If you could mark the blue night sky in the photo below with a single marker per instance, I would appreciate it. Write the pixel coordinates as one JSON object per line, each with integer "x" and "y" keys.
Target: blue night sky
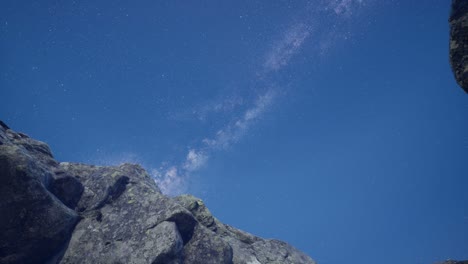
{"x": 334, "y": 125}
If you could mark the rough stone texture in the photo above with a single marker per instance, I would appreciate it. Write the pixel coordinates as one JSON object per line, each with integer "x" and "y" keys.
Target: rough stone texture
{"x": 122, "y": 209}
{"x": 246, "y": 248}
{"x": 207, "y": 248}
{"x": 34, "y": 224}
{"x": 459, "y": 41}
{"x": 284, "y": 253}
{"x": 76, "y": 213}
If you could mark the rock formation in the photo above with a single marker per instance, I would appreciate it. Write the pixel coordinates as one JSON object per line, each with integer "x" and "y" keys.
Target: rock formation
{"x": 61, "y": 212}
{"x": 459, "y": 41}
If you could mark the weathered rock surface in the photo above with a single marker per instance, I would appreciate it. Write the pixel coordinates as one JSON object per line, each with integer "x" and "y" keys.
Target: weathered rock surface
{"x": 34, "y": 223}
{"x": 75, "y": 213}
{"x": 459, "y": 41}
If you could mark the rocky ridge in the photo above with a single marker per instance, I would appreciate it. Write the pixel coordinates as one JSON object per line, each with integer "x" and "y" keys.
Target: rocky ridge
{"x": 61, "y": 212}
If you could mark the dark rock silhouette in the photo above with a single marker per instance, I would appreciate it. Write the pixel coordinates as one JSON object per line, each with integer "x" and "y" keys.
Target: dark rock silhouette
{"x": 64, "y": 212}
{"x": 459, "y": 41}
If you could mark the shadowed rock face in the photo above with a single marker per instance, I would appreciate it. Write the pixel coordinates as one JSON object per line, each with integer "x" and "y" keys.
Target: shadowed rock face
{"x": 34, "y": 223}
{"x": 64, "y": 212}
{"x": 459, "y": 41}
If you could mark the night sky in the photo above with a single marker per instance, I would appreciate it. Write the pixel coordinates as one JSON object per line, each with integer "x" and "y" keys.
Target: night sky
{"x": 333, "y": 125}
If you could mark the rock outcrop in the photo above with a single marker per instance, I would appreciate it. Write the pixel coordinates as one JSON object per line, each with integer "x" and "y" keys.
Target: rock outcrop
{"x": 459, "y": 41}
{"x": 64, "y": 212}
